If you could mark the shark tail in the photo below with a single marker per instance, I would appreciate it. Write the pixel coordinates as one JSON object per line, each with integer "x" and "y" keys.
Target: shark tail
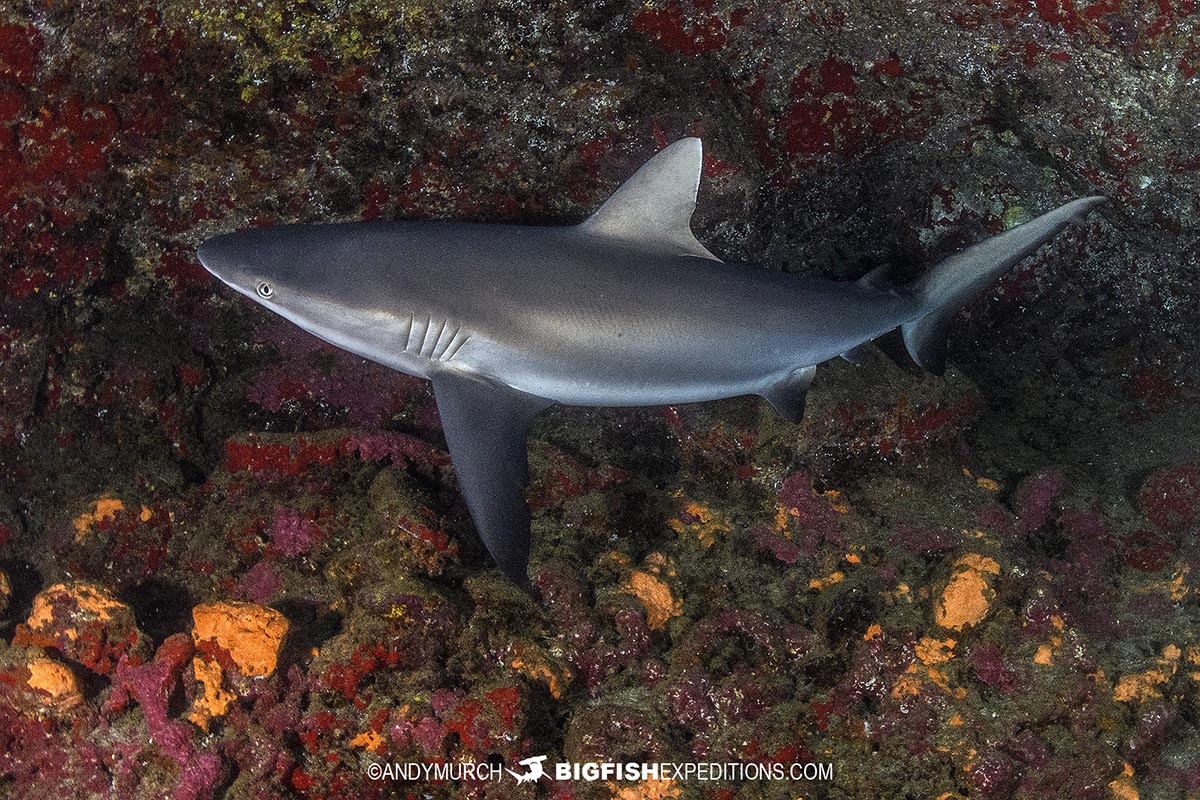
{"x": 954, "y": 282}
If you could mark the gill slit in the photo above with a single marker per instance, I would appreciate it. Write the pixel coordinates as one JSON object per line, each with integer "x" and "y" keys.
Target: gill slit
{"x": 437, "y": 337}
{"x": 415, "y": 344}
{"x": 440, "y": 349}
{"x": 453, "y": 349}
{"x": 408, "y": 332}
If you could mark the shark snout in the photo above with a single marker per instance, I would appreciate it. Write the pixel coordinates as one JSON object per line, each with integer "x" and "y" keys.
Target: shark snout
{"x": 216, "y": 255}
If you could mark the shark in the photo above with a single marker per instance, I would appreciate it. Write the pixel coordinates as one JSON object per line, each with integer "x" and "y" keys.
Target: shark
{"x": 627, "y": 308}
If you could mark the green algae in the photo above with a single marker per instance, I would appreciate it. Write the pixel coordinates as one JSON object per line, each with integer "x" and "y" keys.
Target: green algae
{"x": 267, "y": 36}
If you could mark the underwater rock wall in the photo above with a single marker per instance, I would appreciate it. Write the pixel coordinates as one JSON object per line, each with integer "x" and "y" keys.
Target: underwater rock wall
{"x": 234, "y": 563}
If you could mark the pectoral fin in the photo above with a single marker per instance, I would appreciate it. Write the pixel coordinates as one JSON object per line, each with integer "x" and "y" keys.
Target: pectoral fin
{"x": 486, "y": 424}
{"x": 787, "y": 396}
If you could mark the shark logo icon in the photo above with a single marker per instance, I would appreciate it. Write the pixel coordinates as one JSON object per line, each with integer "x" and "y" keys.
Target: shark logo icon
{"x": 534, "y": 766}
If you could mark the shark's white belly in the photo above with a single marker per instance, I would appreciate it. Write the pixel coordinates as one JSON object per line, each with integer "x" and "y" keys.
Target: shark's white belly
{"x": 601, "y": 382}
{"x": 589, "y": 369}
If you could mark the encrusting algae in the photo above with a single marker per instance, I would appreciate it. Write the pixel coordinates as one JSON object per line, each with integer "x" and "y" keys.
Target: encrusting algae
{"x": 215, "y": 700}
{"x": 698, "y": 520}
{"x": 655, "y": 595}
{"x": 533, "y": 662}
{"x": 1142, "y": 686}
{"x": 652, "y": 789}
{"x": 251, "y": 633}
{"x": 128, "y": 374}
{"x": 969, "y": 594}
{"x": 103, "y": 510}
{"x": 53, "y": 681}
{"x": 92, "y": 600}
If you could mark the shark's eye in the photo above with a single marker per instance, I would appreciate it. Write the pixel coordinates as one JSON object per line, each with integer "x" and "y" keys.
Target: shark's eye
{"x": 265, "y": 290}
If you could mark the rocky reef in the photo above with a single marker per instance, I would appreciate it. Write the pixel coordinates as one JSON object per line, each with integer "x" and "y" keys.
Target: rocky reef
{"x": 234, "y": 562}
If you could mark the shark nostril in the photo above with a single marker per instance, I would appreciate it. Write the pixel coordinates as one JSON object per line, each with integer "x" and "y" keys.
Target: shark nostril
{"x": 264, "y": 290}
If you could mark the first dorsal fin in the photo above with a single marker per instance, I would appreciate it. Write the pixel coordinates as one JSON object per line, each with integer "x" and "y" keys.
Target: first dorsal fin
{"x": 653, "y": 209}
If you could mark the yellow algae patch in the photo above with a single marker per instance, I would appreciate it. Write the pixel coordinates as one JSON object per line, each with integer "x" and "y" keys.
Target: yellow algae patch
{"x": 215, "y": 700}
{"x": 1123, "y": 787}
{"x": 908, "y": 684}
{"x": 1179, "y": 591}
{"x": 835, "y": 501}
{"x": 930, "y": 652}
{"x": 368, "y": 740}
{"x": 935, "y": 651}
{"x": 987, "y": 484}
{"x": 1140, "y": 686}
{"x": 781, "y": 520}
{"x": 968, "y": 595}
{"x": 1176, "y": 587}
{"x": 532, "y": 662}
{"x": 652, "y": 789}
{"x": 940, "y": 680}
{"x": 873, "y": 632}
{"x": 92, "y": 600}
{"x": 55, "y": 681}
{"x": 1193, "y": 658}
{"x": 103, "y": 509}
{"x": 902, "y": 593}
{"x": 1045, "y": 652}
{"x": 251, "y": 633}
{"x": 700, "y": 522}
{"x": 615, "y": 559}
{"x": 655, "y": 596}
{"x": 827, "y": 581}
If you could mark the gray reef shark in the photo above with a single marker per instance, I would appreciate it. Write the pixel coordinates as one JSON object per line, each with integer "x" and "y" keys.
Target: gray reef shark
{"x": 624, "y": 309}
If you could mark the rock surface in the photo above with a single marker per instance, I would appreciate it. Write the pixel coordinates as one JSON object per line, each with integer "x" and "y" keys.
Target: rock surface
{"x": 708, "y": 583}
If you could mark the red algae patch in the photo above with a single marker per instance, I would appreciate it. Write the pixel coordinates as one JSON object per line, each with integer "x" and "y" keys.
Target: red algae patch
{"x": 251, "y": 633}
{"x": 968, "y": 595}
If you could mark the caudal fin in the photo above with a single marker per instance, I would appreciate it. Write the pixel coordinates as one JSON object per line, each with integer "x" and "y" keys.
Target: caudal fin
{"x": 954, "y": 282}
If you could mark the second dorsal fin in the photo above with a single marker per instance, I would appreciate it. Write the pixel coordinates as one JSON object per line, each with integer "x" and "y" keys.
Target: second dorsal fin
{"x": 653, "y": 209}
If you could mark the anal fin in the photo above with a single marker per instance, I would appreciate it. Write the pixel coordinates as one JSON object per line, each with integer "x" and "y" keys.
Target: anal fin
{"x": 788, "y": 395}
{"x": 486, "y": 425}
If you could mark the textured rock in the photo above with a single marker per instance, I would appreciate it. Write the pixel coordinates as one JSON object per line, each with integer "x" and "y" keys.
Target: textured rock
{"x": 250, "y": 633}
{"x": 87, "y": 624}
{"x": 968, "y": 595}
{"x": 828, "y": 587}
{"x": 54, "y": 685}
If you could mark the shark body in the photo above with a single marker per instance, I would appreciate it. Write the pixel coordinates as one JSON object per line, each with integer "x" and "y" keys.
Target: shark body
{"x": 625, "y": 309}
